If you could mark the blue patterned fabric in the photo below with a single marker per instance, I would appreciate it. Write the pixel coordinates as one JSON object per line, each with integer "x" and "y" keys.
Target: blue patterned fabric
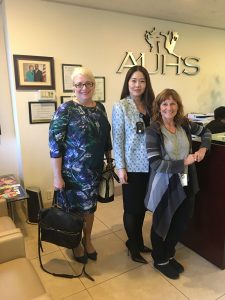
{"x": 128, "y": 146}
{"x": 80, "y": 135}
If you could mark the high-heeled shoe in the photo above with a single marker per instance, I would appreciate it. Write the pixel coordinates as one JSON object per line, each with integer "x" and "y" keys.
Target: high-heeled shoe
{"x": 145, "y": 249}
{"x": 92, "y": 255}
{"x": 135, "y": 255}
{"x": 81, "y": 259}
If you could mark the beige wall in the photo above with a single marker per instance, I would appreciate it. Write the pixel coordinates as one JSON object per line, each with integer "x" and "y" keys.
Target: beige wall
{"x": 99, "y": 40}
{"x": 8, "y": 145}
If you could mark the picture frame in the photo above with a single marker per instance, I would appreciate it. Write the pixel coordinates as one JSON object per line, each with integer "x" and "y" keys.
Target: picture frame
{"x": 99, "y": 94}
{"x": 67, "y": 71}
{"x": 34, "y": 72}
{"x": 41, "y": 111}
{"x": 64, "y": 99}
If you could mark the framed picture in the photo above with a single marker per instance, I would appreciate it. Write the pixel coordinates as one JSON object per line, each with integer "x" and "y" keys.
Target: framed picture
{"x": 67, "y": 71}
{"x": 65, "y": 98}
{"x": 99, "y": 94}
{"x": 41, "y": 112}
{"x": 34, "y": 72}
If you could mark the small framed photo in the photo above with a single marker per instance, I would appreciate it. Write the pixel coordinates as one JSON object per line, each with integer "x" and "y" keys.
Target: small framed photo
{"x": 41, "y": 112}
{"x": 99, "y": 94}
{"x": 67, "y": 71}
{"x": 34, "y": 72}
{"x": 65, "y": 99}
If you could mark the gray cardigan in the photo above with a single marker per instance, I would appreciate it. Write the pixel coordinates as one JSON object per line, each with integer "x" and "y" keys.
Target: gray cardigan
{"x": 164, "y": 175}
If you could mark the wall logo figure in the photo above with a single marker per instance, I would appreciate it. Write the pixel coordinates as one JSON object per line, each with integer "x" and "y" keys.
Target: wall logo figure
{"x": 154, "y": 41}
{"x": 163, "y": 55}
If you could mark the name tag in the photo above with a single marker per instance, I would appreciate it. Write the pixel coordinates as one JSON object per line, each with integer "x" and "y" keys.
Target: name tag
{"x": 183, "y": 179}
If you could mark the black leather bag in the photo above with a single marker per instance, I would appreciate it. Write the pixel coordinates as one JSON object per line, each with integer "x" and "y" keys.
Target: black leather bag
{"x": 106, "y": 186}
{"x": 60, "y": 227}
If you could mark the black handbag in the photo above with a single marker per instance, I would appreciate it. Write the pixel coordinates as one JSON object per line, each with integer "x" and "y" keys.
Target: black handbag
{"x": 106, "y": 186}
{"x": 60, "y": 227}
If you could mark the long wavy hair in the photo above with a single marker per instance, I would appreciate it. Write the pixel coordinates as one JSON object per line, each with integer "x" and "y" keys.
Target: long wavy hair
{"x": 160, "y": 98}
{"x": 148, "y": 96}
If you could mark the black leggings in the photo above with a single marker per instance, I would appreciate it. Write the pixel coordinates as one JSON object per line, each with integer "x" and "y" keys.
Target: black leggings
{"x": 133, "y": 225}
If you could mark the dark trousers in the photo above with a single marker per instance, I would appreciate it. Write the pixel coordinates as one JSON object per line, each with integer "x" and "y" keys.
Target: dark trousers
{"x": 133, "y": 225}
{"x": 134, "y": 209}
{"x": 163, "y": 250}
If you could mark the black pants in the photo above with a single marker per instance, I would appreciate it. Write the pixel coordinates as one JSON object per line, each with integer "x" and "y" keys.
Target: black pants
{"x": 163, "y": 250}
{"x": 134, "y": 209}
{"x": 133, "y": 225}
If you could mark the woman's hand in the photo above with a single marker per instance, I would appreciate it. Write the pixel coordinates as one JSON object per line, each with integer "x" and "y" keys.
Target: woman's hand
{"x": 59, "y": 183}
{"x": 122, "y": 174}
{"x": 190, "y": 159}
{"x": 200, "y": 154}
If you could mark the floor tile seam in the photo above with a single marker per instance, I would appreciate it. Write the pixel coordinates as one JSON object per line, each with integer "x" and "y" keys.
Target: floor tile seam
{"x": 220, "y": 297}
{"x": 115, "y": 276}
{"x": 171, "y": 283}
{"x": 103, "y": 223}
{"x": 76, "y": 293}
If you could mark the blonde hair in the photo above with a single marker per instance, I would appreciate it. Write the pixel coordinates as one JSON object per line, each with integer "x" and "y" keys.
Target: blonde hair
{"x": 82, "y": 71}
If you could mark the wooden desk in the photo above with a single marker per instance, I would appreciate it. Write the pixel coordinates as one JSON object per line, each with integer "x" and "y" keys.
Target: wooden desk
{"x": 12, "y": 191}
{"x": 206, "y": 231}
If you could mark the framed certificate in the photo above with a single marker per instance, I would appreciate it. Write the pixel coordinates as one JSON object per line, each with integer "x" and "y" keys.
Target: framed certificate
{"x": 41, "y": 112}
{"x": 67, "y": 71}
{"x": 99, "y": 94}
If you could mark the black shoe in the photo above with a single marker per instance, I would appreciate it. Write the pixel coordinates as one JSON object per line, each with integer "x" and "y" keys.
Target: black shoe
{"x": 92, "y": 255}
{"x": 176, "y": 265}
{"x": 145, "y": 249}
{"x": 135, "y": 255}
{"x": 81, "y": 259}
{"x": 168, "y": 270}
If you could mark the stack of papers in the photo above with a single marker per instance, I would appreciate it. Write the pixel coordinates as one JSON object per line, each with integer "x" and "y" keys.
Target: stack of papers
{"x": 201, "y": 118}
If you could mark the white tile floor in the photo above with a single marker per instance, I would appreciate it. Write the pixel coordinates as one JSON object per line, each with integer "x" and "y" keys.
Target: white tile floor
{"x": 116, "y": 275}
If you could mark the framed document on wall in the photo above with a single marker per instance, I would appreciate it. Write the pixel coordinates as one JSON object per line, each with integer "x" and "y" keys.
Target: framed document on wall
{"x": 41, "y": 112}
{"x": 99, "y": 94}
{"x": 67, "y": 71}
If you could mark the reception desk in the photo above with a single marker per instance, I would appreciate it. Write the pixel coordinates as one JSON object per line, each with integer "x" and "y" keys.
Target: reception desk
{"x": 206, "y": 231}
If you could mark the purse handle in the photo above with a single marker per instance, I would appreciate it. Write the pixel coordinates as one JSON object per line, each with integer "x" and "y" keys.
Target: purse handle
{"x": 65, "y": 199}
{"x": 110, "y": 168}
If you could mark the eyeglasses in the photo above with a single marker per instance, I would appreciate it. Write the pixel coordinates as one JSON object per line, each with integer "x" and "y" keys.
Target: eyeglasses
{"x": 87, "y": 84}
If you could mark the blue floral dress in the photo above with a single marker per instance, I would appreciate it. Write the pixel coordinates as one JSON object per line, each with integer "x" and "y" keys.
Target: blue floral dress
{"x": 80, "y": 135}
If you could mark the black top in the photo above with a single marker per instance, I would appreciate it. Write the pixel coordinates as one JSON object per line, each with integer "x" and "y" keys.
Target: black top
{"x": 216, "y": 126}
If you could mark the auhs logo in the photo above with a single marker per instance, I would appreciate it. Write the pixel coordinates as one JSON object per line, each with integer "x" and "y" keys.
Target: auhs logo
{"x": 162, "y": 55}
{"x": 154, "y": 40}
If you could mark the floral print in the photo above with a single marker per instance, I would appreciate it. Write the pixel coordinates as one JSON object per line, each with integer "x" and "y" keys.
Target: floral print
{"x": 80, "y": 135}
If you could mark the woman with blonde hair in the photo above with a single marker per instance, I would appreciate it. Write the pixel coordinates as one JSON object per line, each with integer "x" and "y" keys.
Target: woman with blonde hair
{"x": 79, "y": 137}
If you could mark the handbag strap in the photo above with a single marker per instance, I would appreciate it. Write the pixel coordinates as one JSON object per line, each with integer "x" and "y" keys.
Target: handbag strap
{"x": 65, "y": 199}
{"x": 40, "y": 248}
{"x": 110, "y": 168}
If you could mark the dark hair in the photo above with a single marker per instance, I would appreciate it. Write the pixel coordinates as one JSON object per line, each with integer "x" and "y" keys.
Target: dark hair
{"x": 148, "y": 95}
{"x": 219, "y": 113}
{"x": 160, "y": 98}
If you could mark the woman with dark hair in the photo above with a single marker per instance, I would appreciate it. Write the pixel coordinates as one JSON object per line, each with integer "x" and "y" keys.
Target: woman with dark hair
{"x": 173, "y": 179}
{"x": 130, "y": 117}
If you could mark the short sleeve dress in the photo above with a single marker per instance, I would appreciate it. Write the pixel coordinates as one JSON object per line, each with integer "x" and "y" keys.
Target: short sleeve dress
{"x": 80, "y": 135}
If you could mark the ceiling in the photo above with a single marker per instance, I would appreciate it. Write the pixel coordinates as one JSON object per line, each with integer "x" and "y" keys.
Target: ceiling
{"x": 208, "y": 13}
